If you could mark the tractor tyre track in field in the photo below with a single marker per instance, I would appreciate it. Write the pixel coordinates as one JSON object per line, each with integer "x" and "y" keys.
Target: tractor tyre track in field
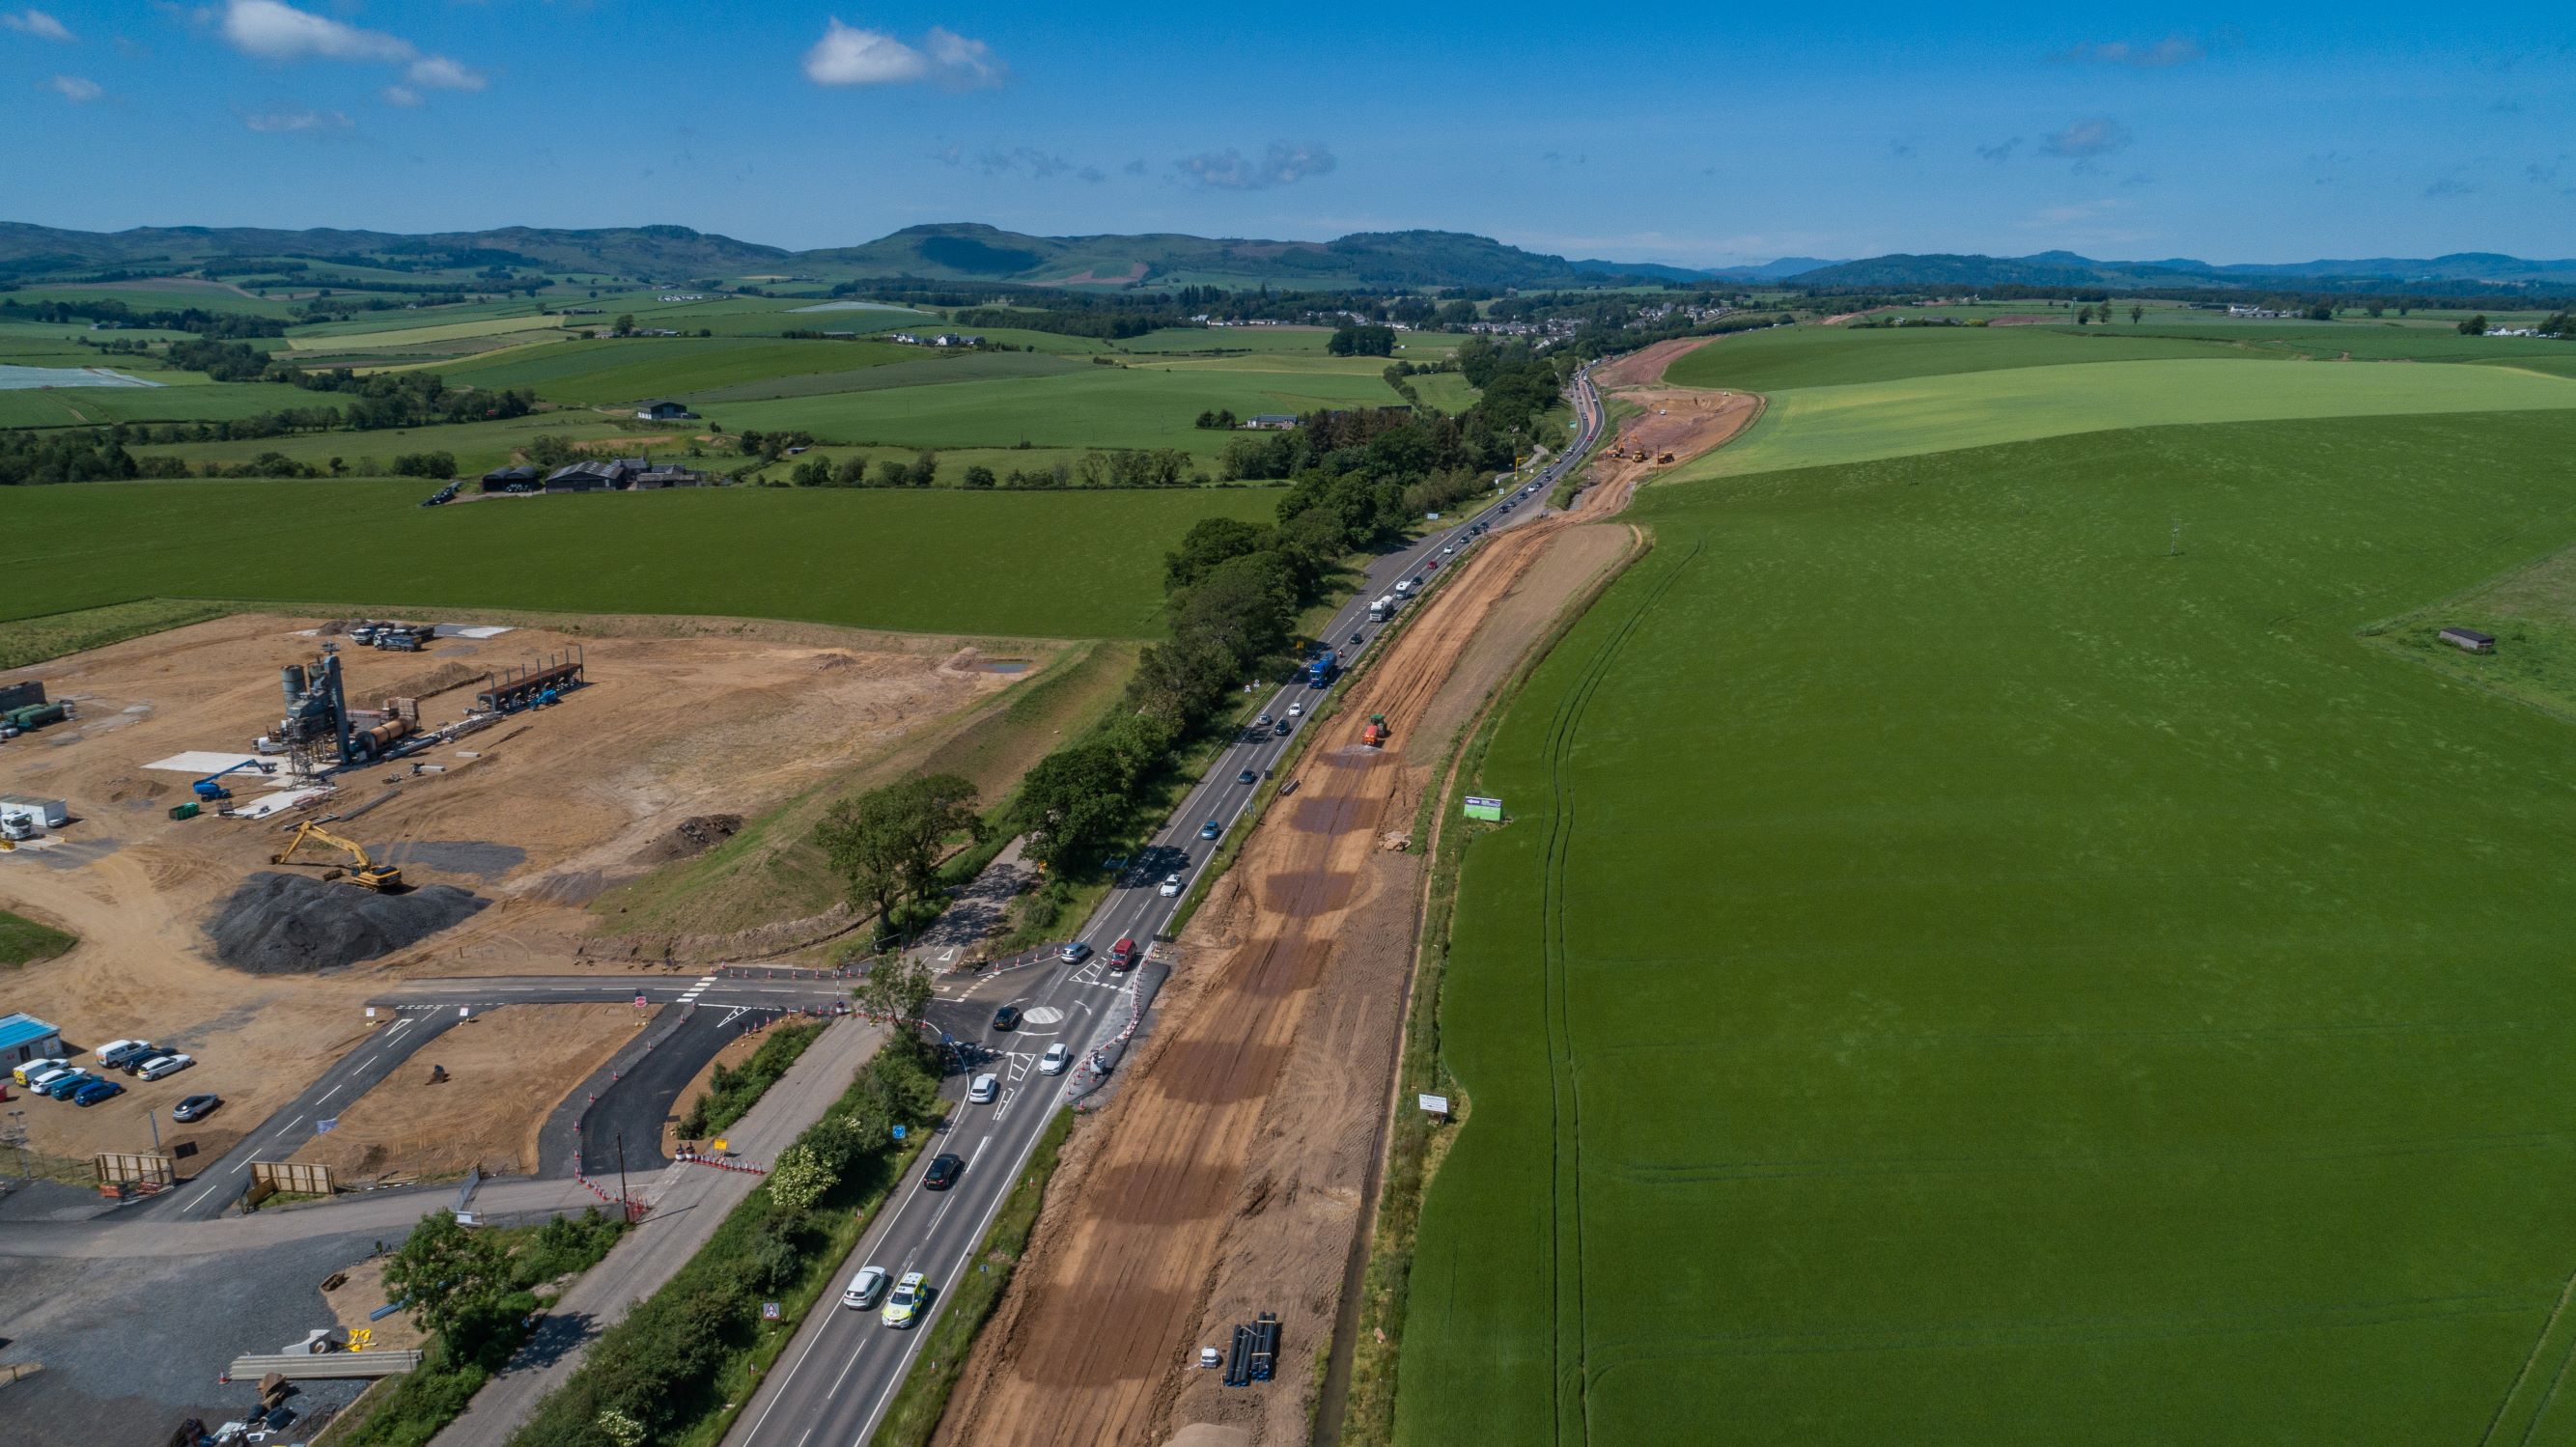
{"x": 1565, "y": 1090}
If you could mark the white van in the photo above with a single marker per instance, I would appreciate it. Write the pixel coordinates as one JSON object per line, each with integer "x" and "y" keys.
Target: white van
{"x": 26, "y": 1074}
{"x": 119, "y": 1052}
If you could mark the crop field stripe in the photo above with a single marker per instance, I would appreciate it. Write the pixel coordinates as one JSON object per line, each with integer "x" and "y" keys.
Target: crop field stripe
{"x": 1564, "y": 1084}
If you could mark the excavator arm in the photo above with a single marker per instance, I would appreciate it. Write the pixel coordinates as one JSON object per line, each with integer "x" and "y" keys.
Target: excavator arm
{"x": 363, "y": 871}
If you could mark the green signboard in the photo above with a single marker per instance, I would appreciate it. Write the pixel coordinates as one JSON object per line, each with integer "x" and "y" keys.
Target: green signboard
{"x": 1489, "y": 809}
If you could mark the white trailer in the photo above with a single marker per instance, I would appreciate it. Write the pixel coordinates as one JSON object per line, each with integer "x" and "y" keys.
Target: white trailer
{"x": 1382, "y": 609}
{"x": 44, "y": 813}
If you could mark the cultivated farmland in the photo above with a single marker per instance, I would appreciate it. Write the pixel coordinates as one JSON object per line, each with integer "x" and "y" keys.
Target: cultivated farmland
{"x": 1965, "y": 967}
{"x": 1050, "y": 564}
{"x": 1814, "y": 426}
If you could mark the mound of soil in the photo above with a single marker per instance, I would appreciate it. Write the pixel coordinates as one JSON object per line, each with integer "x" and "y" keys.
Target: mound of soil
{"x": 277, "y": 924}
{"x": 694, "y": 835}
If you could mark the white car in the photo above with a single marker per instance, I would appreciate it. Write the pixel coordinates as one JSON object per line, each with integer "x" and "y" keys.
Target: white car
{"x": 865, "y": 1288}
{"x": 161, "y": 1065}
{"x": 1057, "y": 1057}
{"x": 1296, "y": 710}
{"x": 1444, "y": 552}
{"x": 906, "y": 1303}
{"x": 1171, "y": 886}
{"x": 38, "y": 1080}
{"x": 983, "y": 1091}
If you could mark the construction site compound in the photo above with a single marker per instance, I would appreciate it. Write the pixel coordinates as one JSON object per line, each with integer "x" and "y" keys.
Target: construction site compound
{"x": 255, "y": 824}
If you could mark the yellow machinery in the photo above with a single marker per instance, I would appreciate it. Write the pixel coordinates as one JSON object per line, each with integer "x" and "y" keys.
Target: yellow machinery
{"x": 365, "y": 871}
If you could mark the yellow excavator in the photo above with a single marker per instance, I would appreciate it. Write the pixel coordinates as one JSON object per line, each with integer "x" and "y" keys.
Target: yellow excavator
{"x": 364, "y": 872}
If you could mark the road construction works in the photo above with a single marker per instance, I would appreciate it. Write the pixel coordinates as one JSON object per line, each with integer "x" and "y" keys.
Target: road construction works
{"x": 1231, "y": 1174}
{"x": 514, "y": 828}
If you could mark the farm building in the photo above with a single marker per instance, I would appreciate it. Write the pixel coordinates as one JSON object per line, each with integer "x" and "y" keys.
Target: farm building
{"x": 666, "y": 475}
{"x": 23, "y": 1038}
{"x": 589, "y": 476}
{"x": 2469, "y": 639}
{"x": 1270, "y": 422}
{"x": 664, "y": 412}
{"x": 19, "y": 695}
{"x": 513, "y": 479}
{"x": 953, "y": 339}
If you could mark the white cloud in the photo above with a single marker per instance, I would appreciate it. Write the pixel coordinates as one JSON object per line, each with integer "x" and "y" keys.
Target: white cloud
{"x": 75, "y": 89}
{"x": 400, "y": 95}
{"x": 440, "y": 73}
{"x": 273, "y": 30}
{"x": 848, "y": 55}
{"x": 1282, "y": 164}
{"x": 2165, "y": 54}
{"x": 279, "y": 121}
{"x": 962, "y": 64}
{"x": 2082, "y": 140}
{"x": 276, "y": 31}
{"x": 39, "y": 24}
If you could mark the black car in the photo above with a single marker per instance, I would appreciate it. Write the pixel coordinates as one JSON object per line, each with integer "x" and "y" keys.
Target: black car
{"x": 195, "y": 1107}
{"x": 1283, "y": 728}
{"x": 1007, "y": 1018}
{"x": 1247, "y": 778}
{"x": 1355, "y": 640}
{"x": 943, "y": 1173}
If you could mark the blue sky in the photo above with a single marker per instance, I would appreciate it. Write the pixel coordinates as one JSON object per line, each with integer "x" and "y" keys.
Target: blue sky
{"x": 2240, "y": 133}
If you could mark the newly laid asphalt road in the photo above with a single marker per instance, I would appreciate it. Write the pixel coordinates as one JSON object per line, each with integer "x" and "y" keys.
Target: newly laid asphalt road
{"x": 421, "y": 1011}
{"x": 832, "y": 1385}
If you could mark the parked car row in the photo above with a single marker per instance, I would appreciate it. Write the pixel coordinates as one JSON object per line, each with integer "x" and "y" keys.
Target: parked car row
{"x": 59, "y": 1079}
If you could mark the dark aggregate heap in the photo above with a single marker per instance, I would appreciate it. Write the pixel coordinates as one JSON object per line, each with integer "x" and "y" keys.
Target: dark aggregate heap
{"x": 278, "y": 924}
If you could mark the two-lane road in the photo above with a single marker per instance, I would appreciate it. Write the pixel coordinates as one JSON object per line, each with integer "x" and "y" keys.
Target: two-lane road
{"x": 833, "y": 1384}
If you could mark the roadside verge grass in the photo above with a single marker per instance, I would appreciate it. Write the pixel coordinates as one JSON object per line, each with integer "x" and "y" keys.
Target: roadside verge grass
{"x": 923, "y": 1397}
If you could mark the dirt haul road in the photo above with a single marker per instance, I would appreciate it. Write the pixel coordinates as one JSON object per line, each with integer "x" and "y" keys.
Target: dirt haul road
{"x": 1230, "y": 1175}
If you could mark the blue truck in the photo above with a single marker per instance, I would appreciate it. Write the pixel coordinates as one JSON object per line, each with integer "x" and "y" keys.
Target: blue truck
{"x": 1320, "y": 670}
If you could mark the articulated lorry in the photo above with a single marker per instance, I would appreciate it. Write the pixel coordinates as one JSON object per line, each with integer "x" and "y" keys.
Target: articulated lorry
{"x": 1319, "y": 672}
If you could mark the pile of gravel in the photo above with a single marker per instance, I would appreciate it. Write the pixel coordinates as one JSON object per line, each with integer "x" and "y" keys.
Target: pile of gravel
{"x": 278, "y": 924}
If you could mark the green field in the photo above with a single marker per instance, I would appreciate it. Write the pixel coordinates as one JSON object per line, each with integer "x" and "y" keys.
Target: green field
{"x": 1814, "y": 426}
{"x": 618, "y": 370}
{"x": 1958, "y": 972}
{"x": 1804, "y": 356}
{"x": 1141, "y": 406}
{"x": 1046, "y": 565}
{"x": 520, "y": 318}
{"x": 182, "y": 397}
{"x": 478, "y": 447}
{"x": 914, "y": 368}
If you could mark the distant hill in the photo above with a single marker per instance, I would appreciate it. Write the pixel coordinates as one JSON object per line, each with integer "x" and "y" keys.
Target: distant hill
{"x": 964, "y": 252}
{"x": 2067, "y": 269}
{"x": 663, "y": 252}
{"x": 952, "y": 252}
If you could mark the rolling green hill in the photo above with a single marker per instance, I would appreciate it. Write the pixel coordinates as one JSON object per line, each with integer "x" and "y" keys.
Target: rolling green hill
{"x": 957, "y": 251}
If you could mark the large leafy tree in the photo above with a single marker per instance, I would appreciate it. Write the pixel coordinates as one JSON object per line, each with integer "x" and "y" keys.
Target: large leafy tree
{"x": 886, "y": 842}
